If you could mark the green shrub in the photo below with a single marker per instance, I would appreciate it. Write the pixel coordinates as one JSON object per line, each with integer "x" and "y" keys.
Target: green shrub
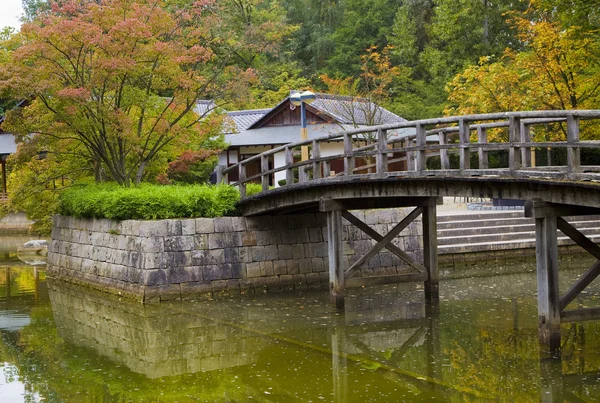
{"x": 148, "y": 202}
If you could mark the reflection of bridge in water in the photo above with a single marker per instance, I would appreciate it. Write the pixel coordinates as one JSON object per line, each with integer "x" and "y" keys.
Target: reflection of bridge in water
{"x": 403, "y": 340}
{"x": 400, "y": 173}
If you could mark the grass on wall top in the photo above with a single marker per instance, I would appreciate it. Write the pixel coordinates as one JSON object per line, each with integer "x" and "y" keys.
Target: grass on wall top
{"x": 149, "y": 202}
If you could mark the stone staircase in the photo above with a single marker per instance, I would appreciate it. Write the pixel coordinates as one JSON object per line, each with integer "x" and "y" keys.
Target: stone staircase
{"x": 500, "y": 230}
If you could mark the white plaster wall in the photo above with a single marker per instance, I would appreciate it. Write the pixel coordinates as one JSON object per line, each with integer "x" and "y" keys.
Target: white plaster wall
{"x": 279, "y": 161}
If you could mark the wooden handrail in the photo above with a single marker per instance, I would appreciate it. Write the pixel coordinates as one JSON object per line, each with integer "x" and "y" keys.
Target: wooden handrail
{"x": 417, "y": 149}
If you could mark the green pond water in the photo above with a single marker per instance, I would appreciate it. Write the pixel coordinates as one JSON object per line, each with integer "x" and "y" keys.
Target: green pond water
{"x": 60, "y": 343}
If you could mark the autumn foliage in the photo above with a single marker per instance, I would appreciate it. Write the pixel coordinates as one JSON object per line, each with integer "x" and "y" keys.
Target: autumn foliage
{"x": 116, "y": 82}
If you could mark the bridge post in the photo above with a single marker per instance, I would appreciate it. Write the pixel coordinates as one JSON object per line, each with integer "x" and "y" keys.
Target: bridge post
{"x": 430, "y": 251}
{"x": 336, "y": 253}
{"x": 547, "y": 282}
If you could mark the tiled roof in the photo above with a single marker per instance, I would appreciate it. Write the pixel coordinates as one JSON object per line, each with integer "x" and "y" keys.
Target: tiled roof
{"x": 244, "y": 119}
{"x": 354, "y": 111}
{"x": 204, "y": 106}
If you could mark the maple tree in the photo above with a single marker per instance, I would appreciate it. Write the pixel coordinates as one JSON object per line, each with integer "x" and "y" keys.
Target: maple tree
{"x": 120, "y": 79}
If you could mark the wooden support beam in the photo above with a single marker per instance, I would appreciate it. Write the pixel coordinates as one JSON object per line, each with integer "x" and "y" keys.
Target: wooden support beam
{"x": 430, "y": 253}
{"x": 385, "y": 241}
{"x": 264, "y": 166}
{"x": 358, "y": 282}
{"x": 349, "y": 163}
{"x": 536, "y": 208}
{"x": 483, "y": 154}
{"x": 382, "y": 151}
{"x": 590, "y": 275}
{"x": 352, "y": 219}
{"x": 464, "y": 134}
{"x": 316, "y": 154}
{"x": 289, "y": 160}
{"x": 336, "y": 252}
{"x": 363, "y": 203}
{"x": 573, "y": 152}
{"x": 421, "y": 141}
{"x": 444, "y": 159}
{"x": 525, "y": 138}
{"x": 514, "y": 137}
{"x": 241, "y": 180}
{"x": 547, "y": 283}
{"x": 577, "y": 315}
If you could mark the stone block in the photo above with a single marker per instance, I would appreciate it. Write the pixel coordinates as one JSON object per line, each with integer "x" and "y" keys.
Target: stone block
{"x": 152, "y": 244}
{"x": 224, "y": 240}
{"x": 298, "y": 251}
{"x": 271, "y": 252}
{"x": 201, "y": 241}
{"x": 205, "y": 226}
{"x": 154, "y": 277}
{"x": 299, "y": 279}
{"x": 194, "y": 273}
{"x": 374, "y": 262}
{"x": 135, "y": 259}
{"x": 302, "y": 235}
{"x": 152, "y": 261}
{"x": 257, "y": 253}
{"x": 179, "y": 243}
{"x": 249, "y": 238}
{"x": 285, "y": 252}
{"x": 218, "y": 285}
{"x": 223, "y": 224}
{"x": 177, "y": 259}
{"x": 287, "y": 236}
{"x": 280, "y": 267}
{"x": 318, "y": 264}
{"x": 177, "y": 275}
{"x": 208, "y": 257}
{"x": 313, "y": 278}
{"x": 305, "y": 265}
{"x": 174, "y": 228}
{"x": 233, "y": 285}
{"x": 130, "y": 227}
{"x": 315, "y": 234}
{"x": 262, "y": 238}
{"x": 253, "y": 270}
{"x": 214, "y": 272}
{"x": 266, "y": 269}
{"x": 192, "y": 290}
{"x": 135, "y": 275}
{"x": 169, "y": 292}
{"x": 238, "y": 223}
{"x": 262, "y": 223}
{"x": 188, "y": 226}
{"x": 157, "y": 228}
{"x": 234, "y": 255}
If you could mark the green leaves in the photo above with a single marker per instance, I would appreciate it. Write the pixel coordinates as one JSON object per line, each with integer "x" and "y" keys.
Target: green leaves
{"x": 148, "y": 202}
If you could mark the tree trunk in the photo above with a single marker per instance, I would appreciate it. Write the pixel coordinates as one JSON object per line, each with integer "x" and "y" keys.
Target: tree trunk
{"x": 140, "y": 172}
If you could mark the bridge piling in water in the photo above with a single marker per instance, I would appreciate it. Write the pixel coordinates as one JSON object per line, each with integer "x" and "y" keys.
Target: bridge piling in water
{"x": 551, "y": 306}
{"x": 340, "y": 277}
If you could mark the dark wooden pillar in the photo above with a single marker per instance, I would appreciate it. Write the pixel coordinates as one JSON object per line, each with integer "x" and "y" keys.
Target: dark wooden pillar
{"x": 547, "y": 282}
{"x": 3, "y": 163}
{"x": 430, "y": 251}
{"x": 336, "y": 251}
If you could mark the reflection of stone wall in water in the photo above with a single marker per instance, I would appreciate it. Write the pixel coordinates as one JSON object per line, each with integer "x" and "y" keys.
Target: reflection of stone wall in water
{"x": 145, "y": 339}
{"x": 168, "y": 259}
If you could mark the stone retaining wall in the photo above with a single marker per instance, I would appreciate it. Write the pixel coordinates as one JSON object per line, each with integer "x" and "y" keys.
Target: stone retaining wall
{"x": 172, "y": 259}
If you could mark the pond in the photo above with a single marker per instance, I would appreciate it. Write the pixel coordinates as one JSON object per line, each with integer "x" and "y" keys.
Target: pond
{"x": 61, "y": 343}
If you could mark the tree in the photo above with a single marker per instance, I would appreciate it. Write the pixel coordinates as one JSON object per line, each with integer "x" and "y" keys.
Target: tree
{"x": 121, "y": 78}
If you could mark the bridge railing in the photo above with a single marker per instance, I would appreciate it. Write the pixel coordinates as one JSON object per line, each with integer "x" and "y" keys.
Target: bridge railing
{"x": 379, "y": 152}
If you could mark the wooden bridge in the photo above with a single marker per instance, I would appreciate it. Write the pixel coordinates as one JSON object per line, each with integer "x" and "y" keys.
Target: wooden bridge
{"x": 446, "y": 157}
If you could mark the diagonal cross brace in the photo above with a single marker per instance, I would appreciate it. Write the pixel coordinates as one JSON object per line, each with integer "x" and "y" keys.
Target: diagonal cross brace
{"x": 352, "y": 219}
{"x": 385, "y": 241}
{"x": 590, "y": 275}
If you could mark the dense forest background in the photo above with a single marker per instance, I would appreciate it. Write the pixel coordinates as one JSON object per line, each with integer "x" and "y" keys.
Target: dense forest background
{"x": 419, "y": 58}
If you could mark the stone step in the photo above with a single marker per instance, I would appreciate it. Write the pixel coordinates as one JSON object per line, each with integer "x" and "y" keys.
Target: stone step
{"x": 502, "y": 222}
{"x": 526, "y": 243}
{"x": 506, "y": 236}
{"x": 479, "y": 215}
{"x": 521, "y": 227}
